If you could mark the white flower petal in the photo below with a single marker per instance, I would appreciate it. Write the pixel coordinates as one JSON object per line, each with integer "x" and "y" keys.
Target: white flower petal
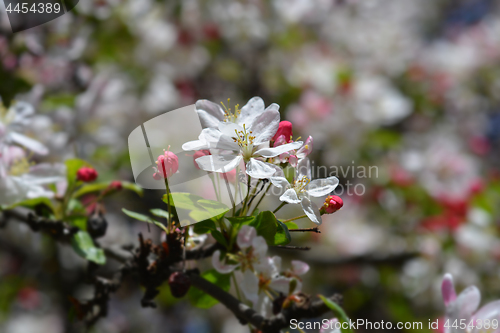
{"x": 259, "y": 247}
{"x": 280, "y": 182}
{"x": 265, "y": 126}
{"x": 290, "y": 196}
{"x": 272, "y": 152}
{"x": 321, "y": 187}
{"x": 29, "y": 143}
{"x": 245, "y": 236}
{"x": 299, "y": 267}
{"x": 258, "y": 169}
{"x": 250, "y": 111}
{"x": 230, "y": 129}
{"x": 220, "y": 266}
{"x": 218, "y": 163}
{"x": 281, "y": 284}
{"x": 249, "y": 284}
{"x": 210, "y": 113}
{"x": 311, "y": 210}
{"x": 304, "y": 168}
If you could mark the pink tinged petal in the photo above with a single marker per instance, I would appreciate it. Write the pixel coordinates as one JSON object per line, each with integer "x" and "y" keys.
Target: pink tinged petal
{"x": 29, "y": 143}
{"x": 281, "y": 284}
{"x": 330, "y": 327}
{"x": 253, "y": 109}
{"x": 245, "y": 236}
{"x": 220, "y": 266}
{"x": 272, "y": 152}
{"x": 304, "y": 168}
{"x": 466, "y": 303}
{"x": 218, "y": 163}
{"x": 306, "y": 148}
{"x": 290, "y": 196}
{"x": 210, "y": 113}
{"x": 258, "y": 169}
{"x": 284, "y": 157}
{"x": 322, "y": 187}
{"x": 265, "y": 126}
{"x": 299, "y": 267}
{"x": 280, "y": 182}
{"x": 311, "y": 210}
{"x": 490, "y": 311}
{"x": 293, "y": 160}
{"x": 281, "y": 140}
{"x": 448, "y": 289}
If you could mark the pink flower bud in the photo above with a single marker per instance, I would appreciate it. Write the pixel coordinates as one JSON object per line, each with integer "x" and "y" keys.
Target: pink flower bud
{"x": 285, "y": 128}
{"x": 167, "y": 164}
{"x": 198, "y": 154}
{"x": 332, "y": 204}
{"x": 230, "y": 176}
{"x": 86, "y": 174}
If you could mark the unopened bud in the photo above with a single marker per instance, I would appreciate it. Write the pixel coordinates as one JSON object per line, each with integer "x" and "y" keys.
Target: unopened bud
{"x": 332, "y": 204}
{"x": 86, "y": 174}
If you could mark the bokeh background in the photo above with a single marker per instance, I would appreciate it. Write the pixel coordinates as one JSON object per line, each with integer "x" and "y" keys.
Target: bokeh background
{"x": 410, "y": 88}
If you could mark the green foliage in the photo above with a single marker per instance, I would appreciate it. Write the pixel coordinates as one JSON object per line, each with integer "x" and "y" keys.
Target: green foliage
{"x": 159, "y": 213}
{"x": 204, "y": 226}
{"x": 219, "y": 237}
{"x": 266, "y": 225}
{"x": 72, "y": 167}
{"x": 201, "y": 299}
{"x": 143, "y": 218}
{"x": 200, "y": 209}
{"x": 32, "y": 203}
{"x": 98, "y": 187}
{"x": 84, "y": 246}
{"x": 338, "y": 311}
{"x": 282, "y": 236}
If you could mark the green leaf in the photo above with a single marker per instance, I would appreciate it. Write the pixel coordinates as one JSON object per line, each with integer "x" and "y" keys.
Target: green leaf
{"x": 90, "y": 188}
{"x": 72, "y": 167}
{"x": 98, "y": 187}
{"x": 282, "y": 236}
{"x": 159, "y": 212}
{"x": 266, "y": 225}
{"x": 204, "y": 226}
{"x": 183, "y": 200}
{"x": 242, "y": 220}
{"x": 201, "y": 299}
{"x": 144, "y": 218}
{"x": 84, "y": 246}
{"x": 219, "y": 237}
{"x": 32, "y": 203}
{"x": 201, "y": 209}
{"x": 338, "y": 311}
{"x": 133, "y": 187}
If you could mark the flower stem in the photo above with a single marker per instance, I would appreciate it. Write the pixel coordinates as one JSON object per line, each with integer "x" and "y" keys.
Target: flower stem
{"x": 261, "y": 198}
{"x": 168, "y": 204}
{"x": 243, "y": 208}
{"x": 294, "y": 218}
{"x": 279, "y": 207}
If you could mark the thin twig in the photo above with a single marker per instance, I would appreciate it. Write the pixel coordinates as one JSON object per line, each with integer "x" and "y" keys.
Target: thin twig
{"x": 316, "y": 230}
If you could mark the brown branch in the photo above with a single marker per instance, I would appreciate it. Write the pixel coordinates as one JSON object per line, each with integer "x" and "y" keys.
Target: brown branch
{"x": 306, "y": 308}
{"x": 316, "y": 230}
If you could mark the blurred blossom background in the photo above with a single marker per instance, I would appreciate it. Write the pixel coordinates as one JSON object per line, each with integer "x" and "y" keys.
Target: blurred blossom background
{"x": 407, "y": 89}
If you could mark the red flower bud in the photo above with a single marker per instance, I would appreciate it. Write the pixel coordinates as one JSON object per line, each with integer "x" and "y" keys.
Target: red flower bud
{"x": 285, "y": 128}
{"x": 332, "y": 204}
{"x": 179, "y": 284}
{"x": 116, "y": 185}
{"x": 86, "y": 174}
